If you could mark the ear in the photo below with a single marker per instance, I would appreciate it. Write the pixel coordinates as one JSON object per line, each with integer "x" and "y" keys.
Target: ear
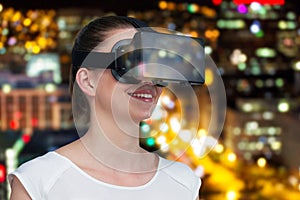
{"x": 85, "y": 81}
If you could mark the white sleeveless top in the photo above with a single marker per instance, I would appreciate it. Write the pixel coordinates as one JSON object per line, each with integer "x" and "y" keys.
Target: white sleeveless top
{"x": 55, "y": 177}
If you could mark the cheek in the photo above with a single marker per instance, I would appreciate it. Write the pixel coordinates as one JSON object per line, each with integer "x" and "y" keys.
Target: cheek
{"x": 159, "y": 91}
{"x": 105, "y": 92}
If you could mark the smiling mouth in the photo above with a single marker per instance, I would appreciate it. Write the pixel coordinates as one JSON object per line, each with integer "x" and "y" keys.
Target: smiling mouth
{"x": 143, "y": 96}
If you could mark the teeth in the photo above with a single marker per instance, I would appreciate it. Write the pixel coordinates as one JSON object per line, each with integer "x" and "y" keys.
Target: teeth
{"x": 148, "y": 96}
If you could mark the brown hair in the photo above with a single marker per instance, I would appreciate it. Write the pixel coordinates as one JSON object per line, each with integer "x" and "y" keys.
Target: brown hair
{"x": 92, "y": 35}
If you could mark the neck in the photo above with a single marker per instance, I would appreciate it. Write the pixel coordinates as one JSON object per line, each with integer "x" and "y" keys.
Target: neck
{"x": 117, "y": 148}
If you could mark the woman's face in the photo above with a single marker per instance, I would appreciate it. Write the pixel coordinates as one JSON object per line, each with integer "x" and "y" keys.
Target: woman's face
{"x": 123, "y": 102}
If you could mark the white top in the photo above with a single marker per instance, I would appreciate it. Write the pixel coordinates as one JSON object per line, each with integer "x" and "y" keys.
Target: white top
{"x": 54, "y": 177}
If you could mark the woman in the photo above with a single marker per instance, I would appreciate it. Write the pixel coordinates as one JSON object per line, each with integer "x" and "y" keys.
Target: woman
{"x": 107, "y": 161}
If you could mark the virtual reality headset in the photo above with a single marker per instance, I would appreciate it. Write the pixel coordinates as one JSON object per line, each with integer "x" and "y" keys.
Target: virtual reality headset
{"x": 161, "y": 58}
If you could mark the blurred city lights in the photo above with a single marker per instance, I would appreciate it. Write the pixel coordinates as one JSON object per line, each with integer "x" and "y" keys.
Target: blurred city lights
{"x": 165, "y": 147}
{"x": 145, "y": 128}
{"x": 202, "y": 132}
{"x": 150, "y": 141}
{"x": 255, "y": 6}
{"x": 297, "y": 66}
{"x": 175, "y": 124}
{"x": 166, "y": 101}
{"x": 247, "y": 107}
{"x": 164, "y": 127}
{"x": 193, "y": 8}
{"x": 209, "y": 77}
{"x": 261, "y": 162}
{"x": 50, "y": 87}
{"x": 265, "y": 52}
{"x": 208, "y": 50}
{"x": 161, "y": 140}
{"x": 254, "y": 125}
{"x": 231, "y": 195}
{"x": 162, "y": 5}
{"x": 217, "y": 2}
{"x": 219, "y": 148}
{"x": 199, "y": 171}
{"x": 2, "y": 173}
{"x": 11, "y": 160}
{"x": 255, "y": 27}
{"x": 231, "y": 157}
{"x": 238, "y": 57}
{"x": 283, "y": 106}
{"x": 6, "y": 88}
{"x": 268, "y": 115}
{"x": 243, "y": 9}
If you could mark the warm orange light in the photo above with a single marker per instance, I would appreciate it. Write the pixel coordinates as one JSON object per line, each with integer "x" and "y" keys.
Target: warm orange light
{"x": 171, "y": 6}
{"x": 162, "y": 5}
{"x": 212, "y": 34}
{"x": 34, "y": 28}
{"x": 208, "y": 11}
{"x": 194, "y": 34}
{"x": 16, "y": 16}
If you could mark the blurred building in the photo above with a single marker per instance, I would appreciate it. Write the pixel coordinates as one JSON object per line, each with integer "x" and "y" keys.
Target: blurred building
{"x": 35, "y": 108}
{"x": 258, "y": 51}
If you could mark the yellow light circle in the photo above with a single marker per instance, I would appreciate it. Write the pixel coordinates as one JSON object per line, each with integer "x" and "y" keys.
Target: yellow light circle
{"x": 36, "y": 49}
{"x": 28, "y": 44}
{"x": 42, "y": 42}
{"x": 209, "y": 77}
{"x": 27, "y": 22}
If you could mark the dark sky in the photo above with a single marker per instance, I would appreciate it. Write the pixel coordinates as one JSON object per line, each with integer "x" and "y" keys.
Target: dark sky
{"x": 109, "y": 5}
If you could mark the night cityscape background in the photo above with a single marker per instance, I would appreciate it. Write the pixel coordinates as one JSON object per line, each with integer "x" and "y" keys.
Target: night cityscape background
{"x": 255, "y": 45}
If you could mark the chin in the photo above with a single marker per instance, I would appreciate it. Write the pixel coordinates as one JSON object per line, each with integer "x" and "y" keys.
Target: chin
{"x": 142, "y": 115}
{"x": 141, "y": 111}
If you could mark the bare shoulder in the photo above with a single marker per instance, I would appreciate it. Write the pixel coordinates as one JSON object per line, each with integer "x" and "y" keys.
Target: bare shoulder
{"x": 69, "y": 149}
{"x": 18, "y": 191}
{"x": 73, "y": 151}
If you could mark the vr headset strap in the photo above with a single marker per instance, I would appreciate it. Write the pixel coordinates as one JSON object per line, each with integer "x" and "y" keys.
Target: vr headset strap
{"x": 91, "y": 59}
